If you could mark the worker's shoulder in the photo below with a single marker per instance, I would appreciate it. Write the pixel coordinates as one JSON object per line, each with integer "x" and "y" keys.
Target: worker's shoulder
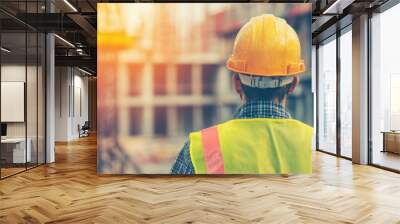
{"x": 276, "y": 121}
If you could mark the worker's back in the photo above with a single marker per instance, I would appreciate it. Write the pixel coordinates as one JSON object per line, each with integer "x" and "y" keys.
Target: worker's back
{"x": 265, "y": 64}
{"x": 253, "y": 146}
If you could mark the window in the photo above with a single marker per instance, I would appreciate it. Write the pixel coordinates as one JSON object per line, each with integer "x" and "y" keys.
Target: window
{"x": 160, "y": 121}
{"x": 23, "y": 83}
{"x": 14, "y": 73}
{"x": 185, "y": 120}
{"x": 346, "y": 94}
{"x": 385, "y": 89}
{"x": 394, "y": 102}
{"x": 209, "y": 115}
{"x": 327, "y": 96}
{"x": 184, "y": 79}
{"x": 208, "y": 79}
{"x": 135, "y": 121}
{"x": 135, "y": 77}
{"x": 160, "y": 79}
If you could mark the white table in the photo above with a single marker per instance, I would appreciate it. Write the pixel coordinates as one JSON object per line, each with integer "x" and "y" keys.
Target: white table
{"x": 18, "y": 145}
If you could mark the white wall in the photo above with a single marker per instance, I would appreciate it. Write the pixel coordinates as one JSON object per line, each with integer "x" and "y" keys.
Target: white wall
{"x": 16, "y": 73}
{"x": 71, "y": 93}
{"x": 80, "y": 94}
{"x": 61, "y": 103}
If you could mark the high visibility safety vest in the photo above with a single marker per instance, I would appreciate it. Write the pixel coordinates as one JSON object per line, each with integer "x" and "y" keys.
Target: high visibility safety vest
{"x": 253, "y": 146}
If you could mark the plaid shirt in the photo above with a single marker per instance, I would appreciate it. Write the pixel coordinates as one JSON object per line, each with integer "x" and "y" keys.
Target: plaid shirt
{"x": 252, "y": 109}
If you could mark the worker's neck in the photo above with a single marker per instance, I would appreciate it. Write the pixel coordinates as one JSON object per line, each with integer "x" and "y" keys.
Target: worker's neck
{"x": 281, "y": 102}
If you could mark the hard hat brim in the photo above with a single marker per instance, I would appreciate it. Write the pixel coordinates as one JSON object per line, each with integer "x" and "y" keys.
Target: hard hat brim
{"x": 229, "y": 66}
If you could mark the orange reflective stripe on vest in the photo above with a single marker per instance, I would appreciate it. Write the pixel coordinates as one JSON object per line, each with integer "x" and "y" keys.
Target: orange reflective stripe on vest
{"x": 253, "y": 146}
{"x": 212, "y": 150}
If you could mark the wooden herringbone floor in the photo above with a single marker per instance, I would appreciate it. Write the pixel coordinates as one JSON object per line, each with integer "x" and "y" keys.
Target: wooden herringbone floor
{"x": 69, "y": 191}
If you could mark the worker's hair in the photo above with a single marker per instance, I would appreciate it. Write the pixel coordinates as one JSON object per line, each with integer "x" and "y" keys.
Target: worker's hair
{"x": 268, "y": 94}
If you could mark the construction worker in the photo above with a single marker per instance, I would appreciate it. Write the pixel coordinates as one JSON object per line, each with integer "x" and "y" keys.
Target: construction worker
{"x": 262, "y": 138}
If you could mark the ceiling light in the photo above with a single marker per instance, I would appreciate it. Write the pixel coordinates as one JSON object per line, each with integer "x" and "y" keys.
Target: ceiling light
{"x": 5, "y": 50}
{"x": 84, "y": 71}
{"x": 70, "y": 5}
{"x": 64, "y": 40}
{"x": 80, "y": 51}
{"x": 329, "y": 9}
{"x": 337, "y": 7}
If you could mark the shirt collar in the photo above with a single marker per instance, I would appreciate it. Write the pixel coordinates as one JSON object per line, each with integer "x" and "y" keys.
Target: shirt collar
{"x": 261, "y": 109}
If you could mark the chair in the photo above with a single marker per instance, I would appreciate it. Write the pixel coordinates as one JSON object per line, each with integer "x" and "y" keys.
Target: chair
{"x": 84, "y": 130}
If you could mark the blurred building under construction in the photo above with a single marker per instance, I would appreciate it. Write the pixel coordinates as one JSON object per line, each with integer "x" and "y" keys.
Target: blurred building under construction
{"x": 162, "y": 75}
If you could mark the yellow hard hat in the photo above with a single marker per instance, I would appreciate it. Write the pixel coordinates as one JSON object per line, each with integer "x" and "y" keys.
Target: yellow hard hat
{"x": 266, "y": 46}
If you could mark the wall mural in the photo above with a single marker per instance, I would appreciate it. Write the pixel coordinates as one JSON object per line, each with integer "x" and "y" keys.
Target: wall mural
{"x": 197, "y": 88}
